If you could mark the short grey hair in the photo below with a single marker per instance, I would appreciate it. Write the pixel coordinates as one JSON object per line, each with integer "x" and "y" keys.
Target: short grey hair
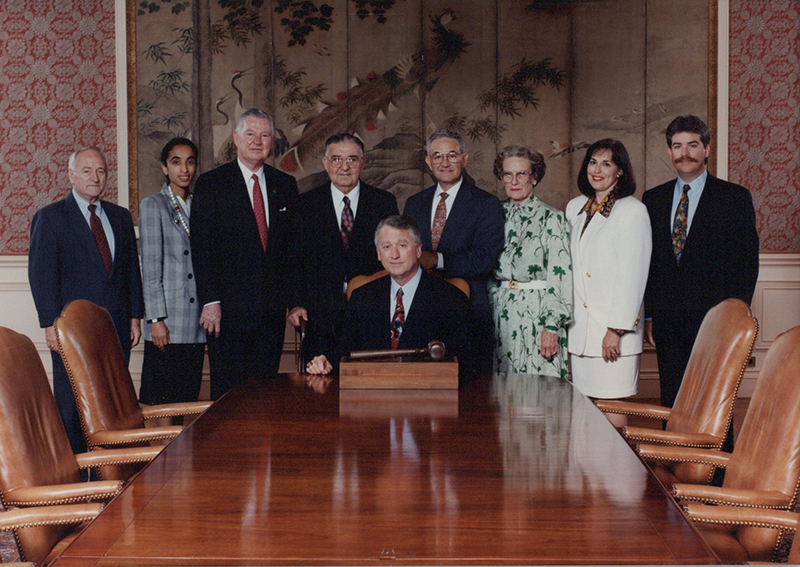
{"x": 400, "y": 222}
{"x": 74, "y": 156}
{"x": 255, "y": 113}
{"x": 453, "y": 135}
{"x": 342, "y": 138}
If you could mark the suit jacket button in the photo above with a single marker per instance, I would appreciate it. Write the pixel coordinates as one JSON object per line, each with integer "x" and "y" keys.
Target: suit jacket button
{"x": 588, "y": 275}
{"x": 190, "y": 276}
{"x": 191, "y": 300}
{"x": 585, "y": 305}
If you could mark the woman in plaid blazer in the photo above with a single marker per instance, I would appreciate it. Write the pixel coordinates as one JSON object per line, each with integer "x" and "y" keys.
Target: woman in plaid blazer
{"x": 174, "y": 340}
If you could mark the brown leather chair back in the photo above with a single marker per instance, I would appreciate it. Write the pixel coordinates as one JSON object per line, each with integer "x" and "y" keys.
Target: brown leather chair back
{"x": 358, "y": 281}
{"x": 767, "y": 452}
{"x": 34, "y": 449}
{"x": 100, "y": 379}
{"x": 712, "y": 378}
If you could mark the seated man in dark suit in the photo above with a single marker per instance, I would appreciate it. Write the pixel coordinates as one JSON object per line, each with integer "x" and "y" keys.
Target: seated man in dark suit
{"x": 406, "y": 309}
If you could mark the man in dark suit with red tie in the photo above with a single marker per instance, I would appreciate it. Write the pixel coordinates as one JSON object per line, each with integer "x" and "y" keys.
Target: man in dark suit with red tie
{"x": 241, "y": 223}
{"x": 705, "y": 250}
{"x": 405, "y": 309}
{"x": 84, "y": 248}
{"x": 462, "y": 232}
{"x": 336, "y": 225}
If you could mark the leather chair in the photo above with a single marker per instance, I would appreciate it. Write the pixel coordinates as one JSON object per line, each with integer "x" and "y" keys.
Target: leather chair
{"x": 109, "y": 411}
{"x": 764, "y": 469}
{"x": 753, "y": 517}
{"x": 358, "y": 281}
{"x": 703, "y": 410}
{"x": 39, "y": 475}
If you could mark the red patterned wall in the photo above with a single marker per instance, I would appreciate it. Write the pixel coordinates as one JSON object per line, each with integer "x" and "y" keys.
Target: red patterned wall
{"x": 764, "y": 136}
{"x": 57, "y": 93}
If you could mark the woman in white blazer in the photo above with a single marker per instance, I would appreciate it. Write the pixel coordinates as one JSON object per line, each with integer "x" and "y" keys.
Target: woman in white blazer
{"x": 610, "y": 245}
{"x": 174, "y": 340}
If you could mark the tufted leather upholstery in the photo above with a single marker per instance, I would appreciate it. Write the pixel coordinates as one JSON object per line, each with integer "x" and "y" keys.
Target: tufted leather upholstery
{"x": 703, "y": 409}
{"x": 107, "y": 405}
{"x": 37, "y": 467}
{"x": 764, "y": 468}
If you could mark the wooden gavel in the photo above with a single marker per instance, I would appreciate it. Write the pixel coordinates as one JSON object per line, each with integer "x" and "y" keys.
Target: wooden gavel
{"x": 435, "y": 350}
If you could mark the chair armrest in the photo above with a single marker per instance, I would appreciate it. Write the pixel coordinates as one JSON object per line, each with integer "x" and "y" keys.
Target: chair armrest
{"x": 174, "y": 410}
{"x": 48, "y": 516}
{"x": 131, "y": 436}
{"x": 651, "y": 411}
{"x": 731, "y": 496}
{"x": 645, "y": 435}
{"x": 739, "y": 516}
{"x": 107, "y": 457}
{"x": 62, "y": 493}
{"x": 675, "y": 454}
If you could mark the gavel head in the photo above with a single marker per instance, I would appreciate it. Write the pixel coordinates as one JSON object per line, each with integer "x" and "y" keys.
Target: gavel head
{"x": 436, "y": 350}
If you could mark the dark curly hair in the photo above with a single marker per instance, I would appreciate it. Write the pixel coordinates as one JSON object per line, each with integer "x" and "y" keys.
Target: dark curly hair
{"x": 626, "y": 184}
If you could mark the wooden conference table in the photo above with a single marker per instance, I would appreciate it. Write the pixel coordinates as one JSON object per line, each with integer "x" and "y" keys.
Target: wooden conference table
{"x": 507, "y": 470}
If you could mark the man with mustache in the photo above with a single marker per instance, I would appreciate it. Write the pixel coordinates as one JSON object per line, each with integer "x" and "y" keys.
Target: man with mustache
{"x": 705, "y": 250}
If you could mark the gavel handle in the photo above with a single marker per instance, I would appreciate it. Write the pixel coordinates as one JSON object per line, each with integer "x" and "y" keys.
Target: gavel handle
{"x": 359, "y": 354}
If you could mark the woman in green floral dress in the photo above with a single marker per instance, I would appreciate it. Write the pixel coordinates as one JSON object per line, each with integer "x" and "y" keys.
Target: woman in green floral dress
{"x": 532, "y": 291}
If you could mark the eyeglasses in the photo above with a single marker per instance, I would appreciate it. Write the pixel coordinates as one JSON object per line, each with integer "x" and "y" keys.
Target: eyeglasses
{"x": 338, "y": 161}
{"x": 522, "y": 176}
{"x": 452, "y": 157}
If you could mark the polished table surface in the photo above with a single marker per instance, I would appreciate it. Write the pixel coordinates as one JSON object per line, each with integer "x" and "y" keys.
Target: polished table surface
{"x": 506, "y": 470}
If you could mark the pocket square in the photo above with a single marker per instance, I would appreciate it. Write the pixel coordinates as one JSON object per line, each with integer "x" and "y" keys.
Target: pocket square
{"x": 282, "y": 210}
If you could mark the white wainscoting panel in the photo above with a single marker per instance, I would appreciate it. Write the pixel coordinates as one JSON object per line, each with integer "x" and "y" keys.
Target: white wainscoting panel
{"x": 776, "y": 304}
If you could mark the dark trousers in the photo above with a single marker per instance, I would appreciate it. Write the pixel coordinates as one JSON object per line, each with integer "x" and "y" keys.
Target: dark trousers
{"x": 481, "y": 355}
{"x": 675, "y": 333}
{"x": 172, "y": 375}
{"x": 65, "y": 402}
{"x": 236, "y": 355}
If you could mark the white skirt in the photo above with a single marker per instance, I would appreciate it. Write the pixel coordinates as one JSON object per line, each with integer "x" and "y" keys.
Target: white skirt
{"x": 596, "y": 378}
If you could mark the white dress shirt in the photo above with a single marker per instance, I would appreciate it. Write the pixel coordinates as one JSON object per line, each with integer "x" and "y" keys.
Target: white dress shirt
{"x": 262, "y": 182}
{"x": 409, "y": 290}
{"x": 694, "y": 197}
{"x": 338, "y": 201}
{"x": 83, "y": 205}
{"x": 448, "y": 204}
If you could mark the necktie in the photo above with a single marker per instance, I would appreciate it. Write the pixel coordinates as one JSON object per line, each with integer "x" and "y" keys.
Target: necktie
{"x": 679, "y": 227}
{"x": 258, "y": 208}
{"x": 100, "y": 238}
{"x": 438, "y": 220}
{"x": 347, "y": 222}
{"x": 398, "y": 320}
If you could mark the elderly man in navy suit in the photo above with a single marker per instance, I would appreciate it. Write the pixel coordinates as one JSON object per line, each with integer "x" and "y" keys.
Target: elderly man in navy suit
{"x": 462, "y": 232}
{"x": 336, "y": 224}
{"x": 705, "y": 250}
{"x": 408, "y": 308}
{"x": 84, "y": 248}
{"x": 241, "y": 230}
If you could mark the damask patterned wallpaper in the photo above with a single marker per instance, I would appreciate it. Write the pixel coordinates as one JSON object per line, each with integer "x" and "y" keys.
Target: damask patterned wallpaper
{"x": 764, "y": 137}
{"x": 57, "y": 93}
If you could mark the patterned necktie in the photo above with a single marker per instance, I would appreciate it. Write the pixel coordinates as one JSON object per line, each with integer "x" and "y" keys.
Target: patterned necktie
{"x": 100, "y": 238}
{"x": 679, "y": 228}
{"x": 258, "y": 208}
{"x": 347, "y": 222}
{"x": 438, "y": 220}
{"x": 398, "y": 320}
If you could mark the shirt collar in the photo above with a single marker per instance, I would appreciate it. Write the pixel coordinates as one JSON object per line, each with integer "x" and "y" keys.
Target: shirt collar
{"x": 453, "y": 191}
{"x": 605, "y": 206}
{"x": 339, "y": 194}
{"x": 83, "y": 204}
{"x": 246, "y": 173}
{"x": 697, "y": 184}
